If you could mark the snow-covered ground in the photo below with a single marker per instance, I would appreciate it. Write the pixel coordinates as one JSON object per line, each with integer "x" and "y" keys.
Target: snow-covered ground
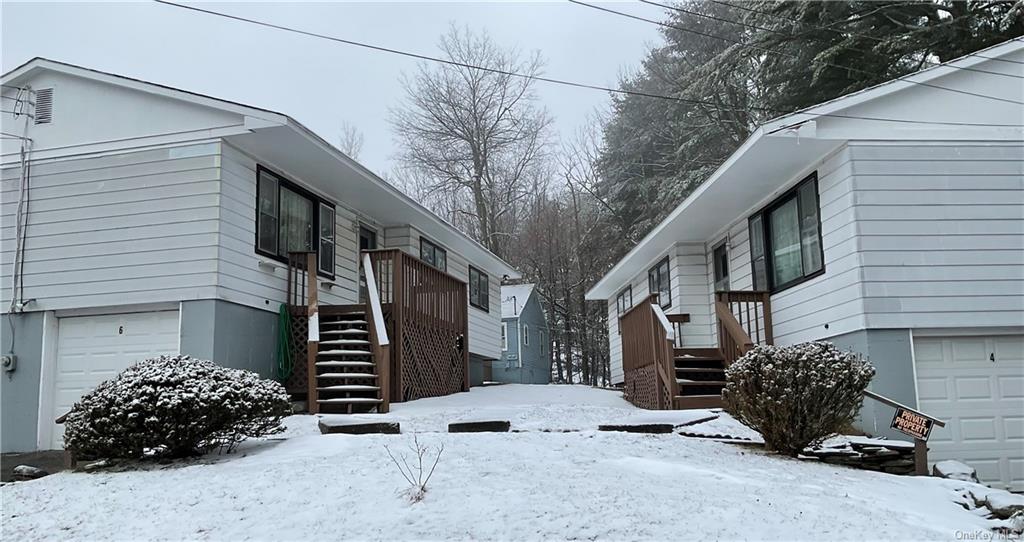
{"x": 531, "y": 484}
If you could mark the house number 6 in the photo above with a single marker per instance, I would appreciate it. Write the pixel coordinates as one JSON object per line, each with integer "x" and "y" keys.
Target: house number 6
{"x": 120, "y": 330}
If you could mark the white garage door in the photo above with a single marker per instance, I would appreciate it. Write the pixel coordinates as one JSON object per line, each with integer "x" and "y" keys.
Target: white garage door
{"x": 91, "y": 349}
{"x": 977, "y": 384}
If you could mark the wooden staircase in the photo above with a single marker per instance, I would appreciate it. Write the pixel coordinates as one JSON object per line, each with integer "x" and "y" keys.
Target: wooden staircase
{"x": 700, "y": 377}
{"x": 347, "y": 376}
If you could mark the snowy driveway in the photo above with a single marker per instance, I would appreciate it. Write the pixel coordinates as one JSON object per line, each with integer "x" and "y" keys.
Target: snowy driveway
{"x": 492, "y": 486}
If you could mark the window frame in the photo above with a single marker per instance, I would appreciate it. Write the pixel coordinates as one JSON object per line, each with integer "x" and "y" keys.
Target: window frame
{"x": 486, "y": 291}
{"x": 315, "y": 201}
{"x": 437, "y": 248}
{"x": 724, "y": 246}
{"x": 620, "y": 306}
{"x": 764, "y": 215}
{"x": 526, "y": 335}
{"x": 655, "y": 271}
{"x": 504, "y": 336}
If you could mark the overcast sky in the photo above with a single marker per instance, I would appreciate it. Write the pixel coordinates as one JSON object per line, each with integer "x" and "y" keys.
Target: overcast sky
{"x": 322, "y": 83}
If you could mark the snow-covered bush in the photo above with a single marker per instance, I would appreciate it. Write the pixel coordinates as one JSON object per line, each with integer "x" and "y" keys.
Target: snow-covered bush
{"x": 796, "y": 396}
{"x": 175, "y": 406}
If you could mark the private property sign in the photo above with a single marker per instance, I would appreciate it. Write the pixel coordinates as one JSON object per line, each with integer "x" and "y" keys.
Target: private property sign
{"x": 911, "y": 423}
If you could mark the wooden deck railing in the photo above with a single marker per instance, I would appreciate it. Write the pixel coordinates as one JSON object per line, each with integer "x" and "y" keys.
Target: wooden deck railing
{"x": 378, "y": 332}
{"x": 744, "y": 319}
{"x": 647, "y": 341}
{"x": 425, "y": 310}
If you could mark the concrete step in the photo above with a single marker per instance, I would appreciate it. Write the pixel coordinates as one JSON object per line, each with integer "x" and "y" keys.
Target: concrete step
{"x": 344, "y": 352}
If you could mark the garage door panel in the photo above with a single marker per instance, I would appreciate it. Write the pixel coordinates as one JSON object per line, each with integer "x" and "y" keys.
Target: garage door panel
{"x": 982, "y": 401}
{"x": 969, "y": 351}
{"x": 932, "y": 389}
{"x": 91, "y": 349}
{"x": 1013, "y": 428}
{"x": 978, "y": 430}
{"x": 1011, "y": 387}
{"x": 973, "y": 388}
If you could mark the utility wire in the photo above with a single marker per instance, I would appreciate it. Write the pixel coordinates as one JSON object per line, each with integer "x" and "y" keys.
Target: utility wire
{"x": 562, "y": 81}
{"x": 787, "y": 34}
{"x": 782, "y": 53}
{"x": 739, "y": 5}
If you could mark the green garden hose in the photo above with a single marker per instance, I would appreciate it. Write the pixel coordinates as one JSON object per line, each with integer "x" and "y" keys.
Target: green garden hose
{"x": 284, "y": 346}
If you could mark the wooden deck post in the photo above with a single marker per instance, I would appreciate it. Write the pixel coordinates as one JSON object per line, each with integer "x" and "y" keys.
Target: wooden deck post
{"x": 313, "y": 342}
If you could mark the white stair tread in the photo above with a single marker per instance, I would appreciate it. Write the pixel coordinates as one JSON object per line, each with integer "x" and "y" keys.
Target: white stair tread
{"x": 346, "y": 375}
{"x": 345, "y": 341}
{"x": 344, "y": 332}
{"x": 349, "y": 387}
{"x": 345, "y": 352}
{"x": 346, "y": 322}
{"x": 344, "y": 364}
{"x": 350, "y": 400}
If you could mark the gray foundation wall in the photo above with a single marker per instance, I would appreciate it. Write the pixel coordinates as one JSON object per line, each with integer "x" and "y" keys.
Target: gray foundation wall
{"x": 19, "y": 390}
{"x": 231, "y": 335}
{"x": 891, "y": 352}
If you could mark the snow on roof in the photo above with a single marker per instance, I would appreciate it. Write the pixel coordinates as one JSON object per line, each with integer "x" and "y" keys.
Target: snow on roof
{"x": 513, "y": 297}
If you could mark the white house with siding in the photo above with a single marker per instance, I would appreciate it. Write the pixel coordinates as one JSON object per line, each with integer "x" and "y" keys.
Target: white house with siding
{"x": 890, "y": 222}
{"x": 155, "y": 220}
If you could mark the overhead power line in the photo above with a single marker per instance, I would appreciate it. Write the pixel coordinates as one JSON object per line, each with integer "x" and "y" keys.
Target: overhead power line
{"x": 563, "y": 81}
{"x": 739, "y": 5}
{"x": 769, "y": 50}
{"x": 783, "y": 33}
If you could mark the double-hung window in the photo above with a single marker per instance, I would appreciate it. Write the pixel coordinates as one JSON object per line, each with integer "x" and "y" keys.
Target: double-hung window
{"x": 433, "y": 254}
{"x": 289, "y": 219}
{"x": 785, "y": 239}
{"x": 479, "y": 289}
{"x": 658, "y": 282}
{"x": 624, "y": 301}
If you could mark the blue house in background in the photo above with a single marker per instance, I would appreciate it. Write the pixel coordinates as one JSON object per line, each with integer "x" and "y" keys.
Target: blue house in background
{"x": 525, "y": 338}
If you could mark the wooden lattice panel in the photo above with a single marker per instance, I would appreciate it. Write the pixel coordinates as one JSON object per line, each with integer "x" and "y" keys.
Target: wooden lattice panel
{"x": 432, "y": 361}
{"x": 642, "y": 388}
{"x": 297, "y": 382}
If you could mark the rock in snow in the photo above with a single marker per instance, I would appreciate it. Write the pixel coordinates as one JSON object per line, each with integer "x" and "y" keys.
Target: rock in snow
{"x": 28, "y": 472}
{"x": 955, "y": 470}
{"x": 1004, "y": 504}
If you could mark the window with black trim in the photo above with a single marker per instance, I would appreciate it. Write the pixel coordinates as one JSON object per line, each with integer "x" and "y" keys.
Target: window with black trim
{"x": 720, "y": 256}
{"x": 526, "y": 335}
{"x": 433, "y": 254}
{"x": 658, "y": 282}
{"x": 288, "y": 218}
{"x": 504, "y": 336}
{"x": 785, "y": 239}
{"x": 479, "y": 288}
{"x": 624, "y": 301}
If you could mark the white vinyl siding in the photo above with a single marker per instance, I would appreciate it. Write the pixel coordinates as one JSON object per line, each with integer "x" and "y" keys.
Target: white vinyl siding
{"x": 941, "y": 231}
{"x": 921, "y": 235}
{"x": 800, "y": 313}
{"x": 241, "y": 279}
{"x": 134, "y": 227}
{"x": 689, "y": 284}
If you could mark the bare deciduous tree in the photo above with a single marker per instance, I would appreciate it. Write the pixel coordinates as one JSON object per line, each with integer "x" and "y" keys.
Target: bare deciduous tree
{"x": 475, "y": 137}
{"x": 350, "y": 141}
